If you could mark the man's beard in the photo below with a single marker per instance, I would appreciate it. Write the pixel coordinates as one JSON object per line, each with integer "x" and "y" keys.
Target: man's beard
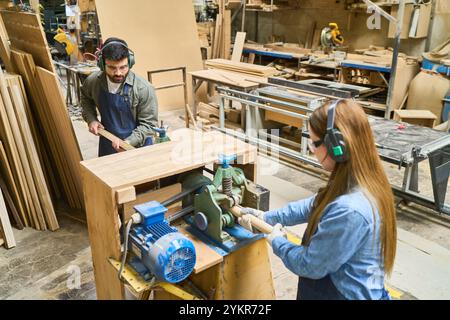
{"x": 116, "y": 79}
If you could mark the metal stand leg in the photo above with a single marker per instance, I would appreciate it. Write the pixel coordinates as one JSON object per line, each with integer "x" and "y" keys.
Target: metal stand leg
{"x": 248, "y": 120}
{"x": 406, "y": 179}
{"x": 222, "y": 113}
{"x": 304, "y": 141}
{"x": 440, "y": 170}
{"x": 414, "y": 183}
{"x": 69, "y": 87}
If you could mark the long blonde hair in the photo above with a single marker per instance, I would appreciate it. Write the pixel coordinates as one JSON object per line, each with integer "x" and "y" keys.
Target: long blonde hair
{"x": 363, "y": 170}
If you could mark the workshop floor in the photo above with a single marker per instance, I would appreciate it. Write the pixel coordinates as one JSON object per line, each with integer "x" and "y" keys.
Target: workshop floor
{"x": 43, "y": 264}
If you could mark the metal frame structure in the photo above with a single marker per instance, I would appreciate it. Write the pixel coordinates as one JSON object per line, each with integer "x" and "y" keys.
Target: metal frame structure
{"x": 398, "y": 21}
{"x": 436, "y": 151}
{"x": 248, "y": 101}
{"x": 174, "y": 85}
{"x": 438, "y": 154}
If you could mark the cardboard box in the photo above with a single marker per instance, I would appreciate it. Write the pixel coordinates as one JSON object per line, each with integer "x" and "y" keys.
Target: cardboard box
{"x": 421, "y": 24}
{"x": 412, "y": 27}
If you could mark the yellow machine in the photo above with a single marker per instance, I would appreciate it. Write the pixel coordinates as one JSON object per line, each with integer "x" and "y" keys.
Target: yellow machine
{"x": 63, "y": 43}
{"x": 331, "y": 36}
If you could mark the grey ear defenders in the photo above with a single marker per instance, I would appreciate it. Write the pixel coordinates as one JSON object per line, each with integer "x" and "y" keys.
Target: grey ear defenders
{"x": 334, "y": 140}
{"x": 101, "y": 60}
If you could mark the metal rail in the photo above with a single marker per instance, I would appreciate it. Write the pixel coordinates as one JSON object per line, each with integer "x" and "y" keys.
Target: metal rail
{"x": 398, "y": 32}
{"x": 410, "y": 160}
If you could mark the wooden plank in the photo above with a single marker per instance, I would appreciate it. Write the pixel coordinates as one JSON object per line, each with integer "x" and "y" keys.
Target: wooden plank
{"x": 10, "y": 202}
{"x": 12, "y": 153}
{"x": 238, "y": 46}
{"x": 230, "y": 78}
{"x": 242, "y": 67}
{"x": 227, "y": 33}
{"x": 217, "y": 33}
{"x": 62, "y": 125}
{"x": 5, "y": 50}
{"x": 206, "y": 257}
{"x": 25, "y": 33}
{"x": 209, "y": 109}
{"x": 35, "y": 5}
{"x": 5, "y": 225}
{"x": 1, "y": 241}
{"x": 188, "y": 150}
{"x": 159, "y": 47}
{"x": 247, "y": 274}
{"x": 243, "y": 275}
{"x": 10, "y": 178}
{"x": 310, "y": 35}
{"x": 16, "y": 80}
{"x": 26, "y": 160}
{"x": 52, "y": 143}
{"x": 158, "y": 195}
{"x": 123, "y": 145}
{"x": 125, "y": 195}
{"x": 33, "y": 158}
{"x": 297, "y": 51}
{"x": 424, "y": 118}
{"x": 103, "y": 226}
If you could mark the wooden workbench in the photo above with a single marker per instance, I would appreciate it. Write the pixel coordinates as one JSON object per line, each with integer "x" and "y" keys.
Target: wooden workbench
{"x": 218, "y": 77}
{"x": 110, "y": 185}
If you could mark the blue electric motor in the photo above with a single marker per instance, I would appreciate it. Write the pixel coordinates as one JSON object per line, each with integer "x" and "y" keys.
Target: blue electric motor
{"x": 165, "y": 252}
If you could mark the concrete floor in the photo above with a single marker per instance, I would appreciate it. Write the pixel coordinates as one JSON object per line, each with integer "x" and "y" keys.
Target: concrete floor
{"x": 43, "y": 264}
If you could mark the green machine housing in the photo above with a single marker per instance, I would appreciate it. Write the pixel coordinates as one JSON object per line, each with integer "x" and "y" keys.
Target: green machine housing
{"x": 229, "y": 188}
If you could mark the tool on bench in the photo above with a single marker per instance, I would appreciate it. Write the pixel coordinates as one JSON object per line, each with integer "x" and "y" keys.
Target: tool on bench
{"x": 331, "y": 36}
{"x": 380, "y": 146}
{"x": 218, "y": 205}
{"x": 162, "y": 133}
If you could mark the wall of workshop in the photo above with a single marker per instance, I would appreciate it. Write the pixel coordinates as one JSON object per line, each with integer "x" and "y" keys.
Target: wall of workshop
{"x": 441, "y": 24}
{"x": 293, "y": 26}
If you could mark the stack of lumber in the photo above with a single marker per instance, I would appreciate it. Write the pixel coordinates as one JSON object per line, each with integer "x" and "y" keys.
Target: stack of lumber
{"x": 206, "y": 36}
{"x": 6, "y": 233}
{"x": 221, "y": 46}
{"x": 50, "y": 125}
{"x": 20, "y": 162}
{"x": 288, "y": 48}
{"x": 242, "y": 67}
{"x": 381, "y": 58}
{"x": 266, "y": 5}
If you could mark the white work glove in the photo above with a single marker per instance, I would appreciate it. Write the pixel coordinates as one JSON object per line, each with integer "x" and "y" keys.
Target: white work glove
{"x": 245, "y": 222}
{"x": 278, "y": 231}
{"x": 257, "y": 213}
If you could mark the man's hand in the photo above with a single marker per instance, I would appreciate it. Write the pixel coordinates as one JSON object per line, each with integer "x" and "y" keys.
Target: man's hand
{"x": 94, "y": 126}
{"x": 257, "y": 213}
{"x": 278, "y": 231}
{"x": 116, "y": 145}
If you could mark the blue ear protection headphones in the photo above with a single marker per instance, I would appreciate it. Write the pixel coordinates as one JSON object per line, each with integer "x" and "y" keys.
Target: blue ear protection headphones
{"x": 101, "y": 61}
{"x": 334, "y": 140}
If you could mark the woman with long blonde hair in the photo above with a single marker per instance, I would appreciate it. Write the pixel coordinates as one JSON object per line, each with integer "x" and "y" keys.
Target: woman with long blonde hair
{"x": 350, "y": 241}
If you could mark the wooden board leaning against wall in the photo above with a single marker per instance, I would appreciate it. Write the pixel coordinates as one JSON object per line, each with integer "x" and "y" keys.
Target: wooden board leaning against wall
{"x": 164, "y": 44}
{"x": 52, "y": 131}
